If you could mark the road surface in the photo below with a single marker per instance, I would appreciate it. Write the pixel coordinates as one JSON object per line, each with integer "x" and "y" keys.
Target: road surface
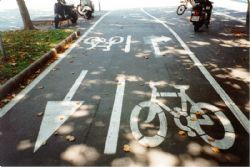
{"x": 138, "y": 88}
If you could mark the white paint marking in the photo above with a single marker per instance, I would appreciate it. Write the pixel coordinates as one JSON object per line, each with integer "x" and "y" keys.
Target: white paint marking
{"x": 76, "y": 85}
{"x": 24, "y": 92}
{"x": 57, "y": 112}
{"x": 228, "y": 101}
{"x": 155, "y": 111}
{"x": 128, "y": 43}
{"x": 114, "y": 126}
{"x": 155, "y": 41}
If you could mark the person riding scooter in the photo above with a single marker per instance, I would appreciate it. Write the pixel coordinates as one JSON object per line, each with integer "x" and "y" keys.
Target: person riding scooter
{"x": 207, "y": 5}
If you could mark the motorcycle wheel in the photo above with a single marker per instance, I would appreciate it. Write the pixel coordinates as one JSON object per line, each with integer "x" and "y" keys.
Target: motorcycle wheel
{"x": 74, "y": 18}
{"x": 79, "y": 9}
{"x": 181, "y": 9}
{"x": 88, "y": 15}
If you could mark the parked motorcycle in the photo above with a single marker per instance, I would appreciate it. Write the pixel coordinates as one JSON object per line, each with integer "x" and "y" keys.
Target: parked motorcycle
{"x": 64, "y": 11}
{"x": 85, "y": 8}
{"x": 201, "y": 14}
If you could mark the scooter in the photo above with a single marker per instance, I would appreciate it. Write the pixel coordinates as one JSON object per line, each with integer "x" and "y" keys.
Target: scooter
{"x": 200, "y": 15}
{"x": 64, "y": 12}
{"x": 85, "y": 8}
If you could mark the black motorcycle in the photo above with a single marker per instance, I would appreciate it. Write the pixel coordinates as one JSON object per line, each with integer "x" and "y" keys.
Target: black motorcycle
{"x": 64, "y": 12}
{"x": 201, "y": 14}
{"x": 85, "y": 8}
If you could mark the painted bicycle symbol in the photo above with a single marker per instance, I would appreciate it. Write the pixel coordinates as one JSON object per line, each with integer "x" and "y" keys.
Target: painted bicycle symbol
{"x": 102, "y": 42}
{"x": 193, "y": 121}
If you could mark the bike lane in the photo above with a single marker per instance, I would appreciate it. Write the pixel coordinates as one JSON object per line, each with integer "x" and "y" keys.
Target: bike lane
{"x": 116, "y": 81}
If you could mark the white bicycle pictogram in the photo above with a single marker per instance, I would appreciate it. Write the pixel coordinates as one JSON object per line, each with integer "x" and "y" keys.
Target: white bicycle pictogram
{"x": 194, "y": 121}
{"x": 102, "y": 42}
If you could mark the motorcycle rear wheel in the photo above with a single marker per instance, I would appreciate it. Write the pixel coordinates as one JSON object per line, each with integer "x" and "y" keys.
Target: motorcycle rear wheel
{"x": 181, "y": 9}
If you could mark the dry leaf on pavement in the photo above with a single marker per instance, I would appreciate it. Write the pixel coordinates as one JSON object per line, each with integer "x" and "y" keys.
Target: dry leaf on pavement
{"x": 215, "y": 149}
{"x": 126, "y": 148}
{"x": 210, "y": 139}
{"x": 40, "y": 87}
{"x": 182, "y": 133}
{"x": 39, "y": 114}
{"x": 70, "y": 138}
{"x": 193, "y": 119}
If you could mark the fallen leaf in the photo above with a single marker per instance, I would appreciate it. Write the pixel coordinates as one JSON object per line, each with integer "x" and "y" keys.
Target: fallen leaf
{"x": 39, "y": 114}
{"x": 38, "y": 72}
{"x": 6, "y": 101}
{"x": 126, "y": 148}
{"x": 73, "y": 73}
{"x": 61, "y": 117}
{"x": 215, "y": 149}
{"x": 182, "y": 133}
{"x": 13, "y": 64}
{"x": 71, "y": 61}
{"x": 70, "y": 138}
{"x": 40, "y": 87}
{"x": 56, "y": 133}
{"x": 210, "y": 139}
{"x": 198, "y": 113}
{"x": 193, "y": 119}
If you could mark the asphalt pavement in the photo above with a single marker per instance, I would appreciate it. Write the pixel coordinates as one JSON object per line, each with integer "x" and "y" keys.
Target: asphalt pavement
{"x": 139, "y": 88}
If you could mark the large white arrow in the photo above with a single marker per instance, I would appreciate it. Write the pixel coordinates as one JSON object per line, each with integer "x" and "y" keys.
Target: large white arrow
{"x": 155, "y": 41}
{"x": 57, "y": 112}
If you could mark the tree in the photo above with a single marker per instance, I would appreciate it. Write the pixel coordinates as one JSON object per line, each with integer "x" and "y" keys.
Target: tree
{"x": 248, "y": 12}
{"x": 28, "y": 25}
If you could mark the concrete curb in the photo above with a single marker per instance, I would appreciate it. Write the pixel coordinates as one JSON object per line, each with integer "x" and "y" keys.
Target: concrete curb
{"x": 13, "y": 83}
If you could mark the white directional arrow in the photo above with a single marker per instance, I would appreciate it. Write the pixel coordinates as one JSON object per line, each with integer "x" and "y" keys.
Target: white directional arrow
{"x": 155, "y": 41}
{"x": 57, "y": 112}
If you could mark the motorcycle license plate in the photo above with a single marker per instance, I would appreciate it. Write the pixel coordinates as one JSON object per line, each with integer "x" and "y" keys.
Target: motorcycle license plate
{"x": 207, "y": 7}
{"x": 195, "y": 18}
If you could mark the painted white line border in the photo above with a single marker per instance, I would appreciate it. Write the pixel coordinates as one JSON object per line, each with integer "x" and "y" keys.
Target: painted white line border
{"x": 114, "y": 126}
{"x": 25, "y": 91}
{"x": 228, "y": 101}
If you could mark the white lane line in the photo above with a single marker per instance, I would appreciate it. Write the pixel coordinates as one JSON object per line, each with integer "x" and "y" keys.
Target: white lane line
{"x": 24, "y": 92}
{"x": 128, "y": 43}
{"x": 228, "y": 101}
{"x": 114, "y": 126}
{"x": 76, "y": 85}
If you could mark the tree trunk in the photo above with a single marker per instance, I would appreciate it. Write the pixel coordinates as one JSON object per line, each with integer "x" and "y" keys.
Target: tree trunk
{"x": 248, "y": 10}
{"x": 28, "y": 25}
